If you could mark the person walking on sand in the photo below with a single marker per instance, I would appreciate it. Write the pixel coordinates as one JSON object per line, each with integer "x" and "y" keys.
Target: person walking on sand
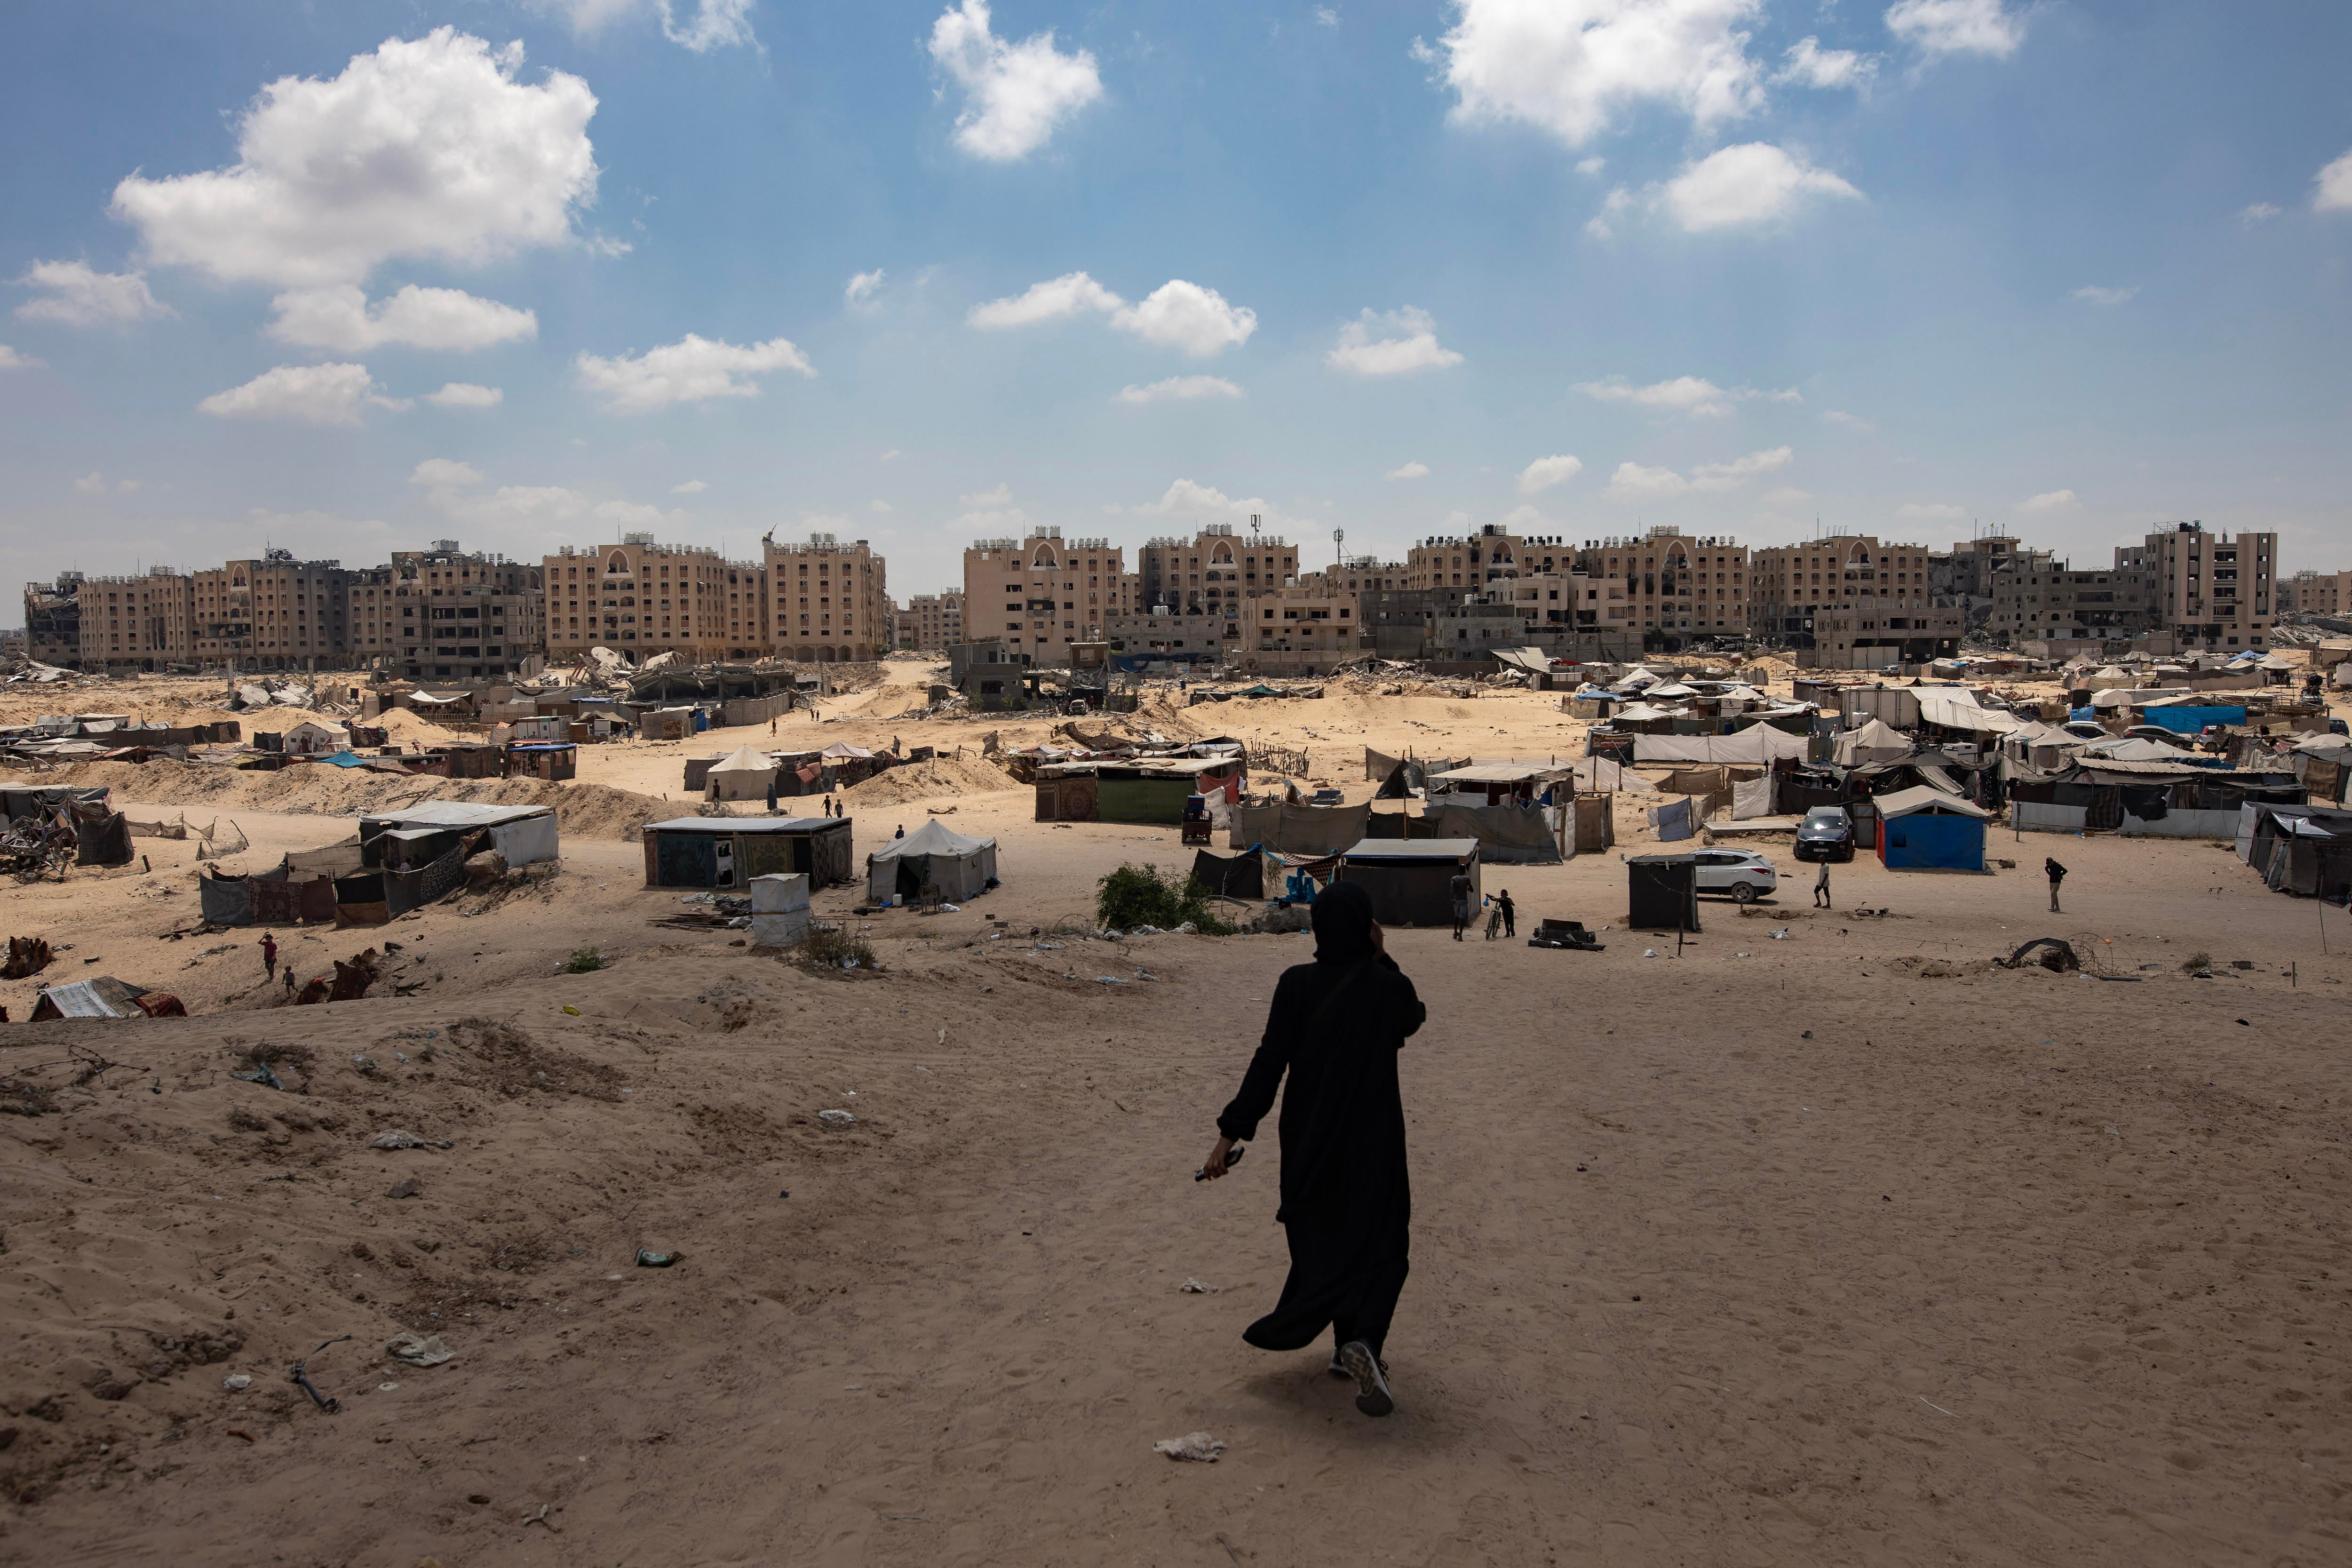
{"x": 2057, "y": 874}
{"x": 1822, "y": 887}
{"x": 901, "y": 833}
{"x": 270, "y": 955}
{"x": 1460, "y": 887}
{"x": 1510, "y": 912}
{"x": 1334, "y": 1027}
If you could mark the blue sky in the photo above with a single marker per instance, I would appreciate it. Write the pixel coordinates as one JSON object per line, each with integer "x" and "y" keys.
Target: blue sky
{"x": 529, "y": 274}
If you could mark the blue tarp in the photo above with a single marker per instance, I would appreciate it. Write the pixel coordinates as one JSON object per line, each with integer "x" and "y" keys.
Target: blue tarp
{"x": 1931, "y": 841}
{"x": 2189, "y": 721}
{"x": 346, "y": 759}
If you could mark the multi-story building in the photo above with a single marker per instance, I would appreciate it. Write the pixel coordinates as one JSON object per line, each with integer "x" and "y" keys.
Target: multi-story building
{"x": 640, "y": 599}
{"x": 2033, "y": 596}
{"x": 2307, "y": 593}
{"x": 1041, "y": 593}
{"x": 137, "y": 623}
{"x": 274, "y": 612}
{"x": 1669, "y": 588}
{"x": 1213, "y": 571}
{"x": 1568, "y": 599}
{"x": 443, "y": 615}
{"x": 53, "y": 621}
{"x": 1192, "y": 639}
{"x": 1852, "y": 602}
{"x": 1493, "y": 553}
{"x": 1309, "y": 628}
{"x": 2208, "y": 590}
{"x": 932, "y": 622}
{"x": 1355, "y": 574}
{"x": 831, "y": 602}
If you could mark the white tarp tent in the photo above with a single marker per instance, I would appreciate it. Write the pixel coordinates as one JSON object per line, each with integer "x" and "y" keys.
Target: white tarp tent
{"x": 1873, "y": 741}
{"x": 960, "y": 866}
{"x": 745, "y": 774}
{"x": 1957, "y": 710}
{"x": 1757, "y": 746}
{"x": 524, "y": 835}
{"x": 1751, "y": 798}
{"x": 1601, "y": 773}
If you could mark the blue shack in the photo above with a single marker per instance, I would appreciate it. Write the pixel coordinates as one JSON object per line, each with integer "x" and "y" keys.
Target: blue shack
{"x": 1924, "y": 829}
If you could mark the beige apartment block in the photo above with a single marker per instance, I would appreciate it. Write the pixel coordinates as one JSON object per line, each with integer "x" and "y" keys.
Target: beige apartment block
{"x": 830, "y": 601}
{"x": 1214, "y": 572}
{"x": 2034, "y": 596}
{"x": 1852, "y": 602}
{"x": 931, "y": 622}
{"x": 1666, "y": 587}
{"x": 443, "y": 615}
{"x": 1039, "y": 595}
{"x": 1319, "y": 629}
{"x": 274, "y": 612}
{"x": 2208, "y": 590}
{"x": 1471, "y": 561}
{"x": 640, "y": 599}
{"x": 138, "y": 623}
{"x": 1356, "y": 576}
{"x": 53, "y": 621}
{"x": 2309, "y": 592}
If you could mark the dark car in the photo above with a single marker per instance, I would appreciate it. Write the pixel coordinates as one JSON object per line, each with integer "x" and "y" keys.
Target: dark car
{"x": 1826, "y": 833}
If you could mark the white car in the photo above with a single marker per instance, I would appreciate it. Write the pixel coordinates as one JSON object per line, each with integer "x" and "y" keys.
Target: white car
{"x": 1743, "y": 874}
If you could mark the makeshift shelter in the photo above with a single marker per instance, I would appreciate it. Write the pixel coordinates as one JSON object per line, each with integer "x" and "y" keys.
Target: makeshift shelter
{"x": 1757, "y": 746}
{"x": 1513, "y": 833}
{"x": 1924, "y": 829}
{"x": 1299, "y": 829}
{"x": 552, "y": 761}
{"x": 1411, "y": 881}
{"x": 727, "y": 851}
{"x": 2189, "y": 719}
{"x": 779, "y": 909}
{"x": 1662, "y": 892}
{"x": 746, "y": 775}
{"x": 312, "y": 739}
{"x": 1231, "y": 876}
{"x": 104, "y": 996}
{"x": 1145, "y": 790}
{"x": 1872, "y": 742}
{"x": 410, "y": 835}
{"x": 932, "y": 857}
{"x": 1495, "y": 783}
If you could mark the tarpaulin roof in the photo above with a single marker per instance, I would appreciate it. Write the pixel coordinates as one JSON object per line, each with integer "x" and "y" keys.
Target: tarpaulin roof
{"x": 746, "y": 824}
{"x": 842, "y": 749}
{"x": 1504, "y": 773}
{"x": 1412, "y": 849}
{"x": 1922, "y": 797}
{"x": 744, "y": 760}
{"x": 932, "y": 838}
{"x": 454, "y": 814}
{"x": 1759, "y": 745}
{"x": 1958, "y": 711}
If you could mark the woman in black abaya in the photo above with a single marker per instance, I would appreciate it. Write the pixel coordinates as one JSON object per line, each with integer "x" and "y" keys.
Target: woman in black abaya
{"x": 1335, "y": 1027}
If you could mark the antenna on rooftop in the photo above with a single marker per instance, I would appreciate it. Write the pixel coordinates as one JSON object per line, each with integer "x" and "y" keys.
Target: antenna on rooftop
{"x": 1338, "y": 548}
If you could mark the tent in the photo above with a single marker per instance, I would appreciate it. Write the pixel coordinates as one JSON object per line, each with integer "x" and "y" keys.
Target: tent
{"x": 728, "y": 851}
{"x": 1299, "y": 829}
{"x": 1234, "y": 875}
{"x": 1411, "y": 881}
{"x": 524, "y": 835}
{"x": 1662, "y": 892}
{"x": 1873, "y": 741}
{"x": 104, "y": 997}
{"x": 2183, "y": 719}
{"x": 931, "y": 855}
{"x": 1924, "y": 829}
{"x": 1759, "y": 745}
{"x": 1955, "y": 709}
{"x": 746, "y": 775}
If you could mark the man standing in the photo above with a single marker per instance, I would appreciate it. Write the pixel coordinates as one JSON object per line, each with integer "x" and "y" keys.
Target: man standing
{"x": 270, "y": 955}
{"x": 1335, "y": 1027}
{"x": 1460, "y": 887}
{"x": 1822, "y": 887}
{"x": 2057, "y": 874}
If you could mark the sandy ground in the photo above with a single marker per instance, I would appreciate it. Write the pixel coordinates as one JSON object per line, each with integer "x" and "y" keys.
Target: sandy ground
{"x": 1835, "y": 1247}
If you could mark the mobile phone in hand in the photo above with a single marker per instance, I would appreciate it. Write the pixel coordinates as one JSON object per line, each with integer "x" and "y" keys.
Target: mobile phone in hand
{"x": 1233, "y": 1157}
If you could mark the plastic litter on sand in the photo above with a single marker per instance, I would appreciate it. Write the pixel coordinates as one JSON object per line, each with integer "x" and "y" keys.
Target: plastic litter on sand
{"x": 1196, "y": 1447}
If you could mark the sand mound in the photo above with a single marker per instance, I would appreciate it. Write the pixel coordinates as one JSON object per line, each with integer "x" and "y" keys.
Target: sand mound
{"x": 592, "y": 811}
{"x": 928, "y": 780}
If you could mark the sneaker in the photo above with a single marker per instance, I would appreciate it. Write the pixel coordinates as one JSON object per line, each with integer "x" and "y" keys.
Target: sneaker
{"x": 1337, "y": 1370}
{"x": 1373, "y": 1395}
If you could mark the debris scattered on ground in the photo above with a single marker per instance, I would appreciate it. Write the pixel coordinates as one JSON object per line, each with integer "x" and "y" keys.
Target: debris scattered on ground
{"x": 1196, "y": 1286}
{"x": 1196, "y": 1447}
{"x": 397, "y": 1138}
{"x": 406, "y": 1187}
{"x": 835, "y": 1118}
{"x": 419, "y": 1350}
{"x": 648, "y": 1259}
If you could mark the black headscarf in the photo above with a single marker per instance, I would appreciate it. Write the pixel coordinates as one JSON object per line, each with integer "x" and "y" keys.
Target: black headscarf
{"x": 1343, "y": 924}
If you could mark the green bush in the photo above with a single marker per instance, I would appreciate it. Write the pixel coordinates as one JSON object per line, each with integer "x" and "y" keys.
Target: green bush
{"x": 826, "y": 946}
{"x": 583, "y": 960}
{"x": 1139, "y": 895}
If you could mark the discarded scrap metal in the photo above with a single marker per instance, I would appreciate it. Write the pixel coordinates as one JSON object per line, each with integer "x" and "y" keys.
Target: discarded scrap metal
{"x": 301, "y": 1378}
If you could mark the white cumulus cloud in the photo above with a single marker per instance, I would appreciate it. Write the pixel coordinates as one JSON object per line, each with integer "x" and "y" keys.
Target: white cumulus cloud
{"x": 1573, "y": 67}
{"x": 1850, "y": 421}
{"x": 690, "y": 488}
{"x": 340, "y": 321}
{"x": 701, "y": 26}
{"x": 1407, "y": 471}
{"x": 691, "y": 370}
{"x": 1634, "y": 482}
{"x": 862, "y": 286}
{"x": 2092, "y": 293}
{"x": 2332, "y": 187}
{"x": 76, "y": 294}
{"x": 94, "y": 484}
{"x": 1205, "y": 503}
{"x": 2257, "y": 212}
{"x": 1956, "y": 26}
{"x": 1745, "y": 187}
{"x": 1691, "y": 394}
{"x": 1177, "y": 314}
{"x": 1178, "y": 389}
{"x": 1015, "y": 95}
{"x": 1544, "y": 472}
{"x": 1325, "y": 17}
{"x": 466, "y": 394}
{"x": 1390, "y": 343}
{"x": 1810, "y": 65}
{"x": 304, "y": 394}
{"x": 10, "y": 359}
{"x": 2049, "y": 501}
{"x": 1929, "y": 511}
{"x": 425, "y": 149}
{"x": 1000, "y": 495}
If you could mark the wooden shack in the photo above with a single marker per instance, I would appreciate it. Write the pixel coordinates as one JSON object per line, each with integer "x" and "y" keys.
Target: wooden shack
{"x": 728, "y": 851}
